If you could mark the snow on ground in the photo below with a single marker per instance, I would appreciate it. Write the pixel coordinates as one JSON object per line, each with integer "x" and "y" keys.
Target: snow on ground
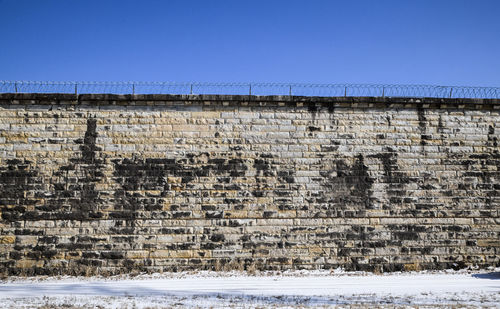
{"x": 268, "y": 290}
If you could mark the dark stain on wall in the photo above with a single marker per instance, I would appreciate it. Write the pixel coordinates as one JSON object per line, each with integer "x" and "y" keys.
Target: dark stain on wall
{"x": 395, "y": 179}
{"x": 181, "y": 175}
{"x": 422, "y": 124}
{"x": 72, "y": 196}
{"x": 146, "y": 185}
{"x": 492, "y": 139}
{"x": 479, "y": 174}
{"x": 159, "y": 176}
{"x": 265, "y": 166}
{"x": 346, "y": 185}
{"x": 75, "y": 195}
{"x": 18, "y": 181}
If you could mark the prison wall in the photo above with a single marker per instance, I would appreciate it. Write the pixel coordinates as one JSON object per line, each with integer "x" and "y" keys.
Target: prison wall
{"x": 110, "y": 184}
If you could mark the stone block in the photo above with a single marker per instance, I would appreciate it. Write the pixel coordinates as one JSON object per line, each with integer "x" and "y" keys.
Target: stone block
{"x": 7, "y": 239}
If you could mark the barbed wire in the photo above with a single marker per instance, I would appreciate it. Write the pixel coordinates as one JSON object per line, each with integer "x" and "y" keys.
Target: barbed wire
{"x": 290, "y": 89}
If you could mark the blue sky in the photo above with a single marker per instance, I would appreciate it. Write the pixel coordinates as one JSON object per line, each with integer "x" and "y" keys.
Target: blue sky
{"x": 441, "y": 42}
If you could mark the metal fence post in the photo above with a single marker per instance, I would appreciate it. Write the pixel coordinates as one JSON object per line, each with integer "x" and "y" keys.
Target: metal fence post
{"x": 383, "y": 92}
{"x": 76, "y": 89}
{"x": 345, "y": 91}
{"x": 15, "y": 87}
{"x": 290, "y": 92}
{"x": 133, "y": 88}
{"x": 191, "y": 89}
{"x": 451, "y": 91}
{"x": 250, "y": 89}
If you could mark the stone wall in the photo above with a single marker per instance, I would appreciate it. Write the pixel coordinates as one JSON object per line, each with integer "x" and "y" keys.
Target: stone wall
{"x": 113, "y": 184}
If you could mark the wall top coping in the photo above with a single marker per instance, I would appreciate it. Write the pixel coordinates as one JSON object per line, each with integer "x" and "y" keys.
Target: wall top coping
{"x": 244, "y": 100}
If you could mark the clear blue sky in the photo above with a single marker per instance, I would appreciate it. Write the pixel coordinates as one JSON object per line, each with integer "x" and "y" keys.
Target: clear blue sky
{"x": 445, "y": 42}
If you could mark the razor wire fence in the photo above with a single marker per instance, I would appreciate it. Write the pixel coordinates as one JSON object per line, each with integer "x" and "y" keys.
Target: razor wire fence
{"x": 288, "y": 89}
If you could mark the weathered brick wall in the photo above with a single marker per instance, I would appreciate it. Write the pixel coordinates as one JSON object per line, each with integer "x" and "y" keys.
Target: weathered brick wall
{"x": 113, "y": 184}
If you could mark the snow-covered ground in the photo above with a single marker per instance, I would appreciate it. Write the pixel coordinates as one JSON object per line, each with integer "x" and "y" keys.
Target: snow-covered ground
{"x": 269, "y": 290}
